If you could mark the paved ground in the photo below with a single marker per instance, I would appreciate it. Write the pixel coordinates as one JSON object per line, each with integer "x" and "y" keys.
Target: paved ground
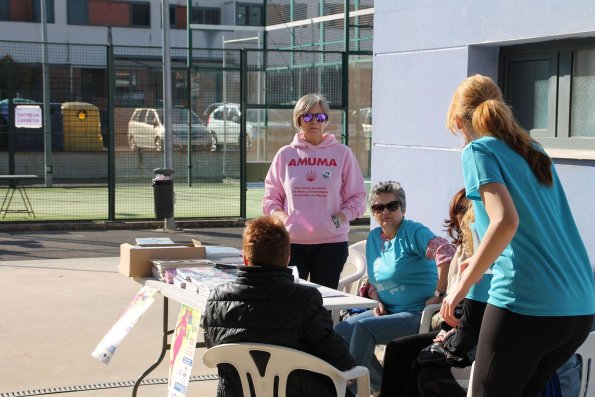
{"x": 61, "y": 293}
{"x": 80, "y": 242}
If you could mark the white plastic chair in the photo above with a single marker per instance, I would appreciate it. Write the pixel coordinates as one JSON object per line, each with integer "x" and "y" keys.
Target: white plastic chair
{"x": 586, "y": 353}
{"x": 360, "y": 247}
{"x": 281, "y": 363}
{"x": 426, "y": 317}
{"x": 353, "y": 270}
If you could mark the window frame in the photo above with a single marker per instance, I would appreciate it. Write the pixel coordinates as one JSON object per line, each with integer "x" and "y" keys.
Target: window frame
{"x": 248, "y": 7}
{"x": 139, "y": 3}
{"x": 69, "y": 16}
{"x": 556, "y": 138}
{"x": 4, "y": 10}
{"x": 201, "y": 15}
{"x": 50, "y": 8}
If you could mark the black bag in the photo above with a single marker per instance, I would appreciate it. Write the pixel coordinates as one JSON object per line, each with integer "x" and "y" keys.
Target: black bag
{"x": 438, "y": 354}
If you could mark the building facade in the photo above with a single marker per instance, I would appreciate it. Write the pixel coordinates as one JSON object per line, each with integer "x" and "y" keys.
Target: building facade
{"x": 542, "y": 54}
{"x": 136, "y": 22}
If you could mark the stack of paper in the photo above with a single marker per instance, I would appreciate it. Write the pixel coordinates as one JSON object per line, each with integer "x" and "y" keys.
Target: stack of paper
{"x": 154, "y": 241}
{"x": 205, "y": 278}
{"x": 165, "y": 269}
{"x": 224, "y": 255}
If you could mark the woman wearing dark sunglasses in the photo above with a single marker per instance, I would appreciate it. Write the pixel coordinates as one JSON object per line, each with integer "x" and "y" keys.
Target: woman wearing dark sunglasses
{"x": 315, "y": 187}
{"x": 408, "y": 269}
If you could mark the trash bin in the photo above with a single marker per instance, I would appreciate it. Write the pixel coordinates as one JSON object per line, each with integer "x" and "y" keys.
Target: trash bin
{"x": 163, "y": 192}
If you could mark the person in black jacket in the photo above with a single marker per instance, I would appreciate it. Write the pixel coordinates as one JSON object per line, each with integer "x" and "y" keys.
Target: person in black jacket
{"x": 264, "y": 305}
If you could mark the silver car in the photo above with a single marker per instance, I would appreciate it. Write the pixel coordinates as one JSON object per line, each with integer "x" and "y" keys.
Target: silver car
{"x": 146, "y": 130}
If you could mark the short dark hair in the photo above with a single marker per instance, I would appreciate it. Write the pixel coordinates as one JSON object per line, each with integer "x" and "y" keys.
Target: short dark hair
{"x": 266, "y": 242}
{"x": 388, "y": 187}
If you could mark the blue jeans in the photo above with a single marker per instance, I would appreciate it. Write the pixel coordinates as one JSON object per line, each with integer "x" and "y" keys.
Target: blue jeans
{"x": 364, "y": 331}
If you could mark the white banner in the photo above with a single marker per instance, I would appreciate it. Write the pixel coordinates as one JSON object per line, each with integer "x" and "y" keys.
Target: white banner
{"x": 28, "y": 116}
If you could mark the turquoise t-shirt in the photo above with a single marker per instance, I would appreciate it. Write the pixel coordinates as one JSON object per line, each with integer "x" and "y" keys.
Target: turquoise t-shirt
{"x": 545, "y": 270}
{"x": 480, "y": 291}
{"x": 398, "y": 268}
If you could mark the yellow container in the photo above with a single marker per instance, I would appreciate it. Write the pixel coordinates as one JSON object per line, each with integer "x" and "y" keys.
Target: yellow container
{"x": 82, "y": 126}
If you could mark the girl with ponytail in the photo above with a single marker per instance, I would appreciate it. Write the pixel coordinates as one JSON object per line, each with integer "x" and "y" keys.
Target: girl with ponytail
{"x": 542, "y": 277}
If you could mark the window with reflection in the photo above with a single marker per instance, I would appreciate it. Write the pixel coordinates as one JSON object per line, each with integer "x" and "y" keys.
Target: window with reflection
{"x": 582, "y": 101}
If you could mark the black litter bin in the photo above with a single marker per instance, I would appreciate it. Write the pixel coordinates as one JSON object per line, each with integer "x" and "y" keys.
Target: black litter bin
{"x": 163, "y": 193}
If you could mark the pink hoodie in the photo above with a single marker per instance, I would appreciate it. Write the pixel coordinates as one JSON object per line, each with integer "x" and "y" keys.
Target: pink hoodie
{"x": 311, "y": 183}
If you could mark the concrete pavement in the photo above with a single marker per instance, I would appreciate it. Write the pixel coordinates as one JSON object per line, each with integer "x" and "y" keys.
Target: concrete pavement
{"x": 55, "y": 311}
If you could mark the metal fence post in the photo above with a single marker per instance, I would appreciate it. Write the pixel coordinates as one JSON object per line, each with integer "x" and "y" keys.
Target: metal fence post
{"x": 243, "y": 102}
{"x": 111, "y": 155}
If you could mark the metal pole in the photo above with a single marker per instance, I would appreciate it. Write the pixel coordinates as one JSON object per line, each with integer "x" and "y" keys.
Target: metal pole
{"x": 189, "y": 88}
{"x": 243, "y": 101}
{"x": 261, "y": 133}
{"x": 169, "y": 223}
{"x": 346, "y": 74}
{"x": 224, "y": 113}
{"x": 111, "y": 103}
{"x": 47, "y": 119}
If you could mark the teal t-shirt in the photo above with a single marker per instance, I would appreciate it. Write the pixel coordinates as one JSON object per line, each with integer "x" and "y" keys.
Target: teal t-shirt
{"x": 545, "y": 270}
{"x": 398, "y": 268}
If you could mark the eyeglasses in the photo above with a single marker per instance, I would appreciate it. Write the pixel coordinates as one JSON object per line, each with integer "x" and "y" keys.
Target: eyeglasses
{"x": 391, "y": 206}
{"x": 320, "y": 117}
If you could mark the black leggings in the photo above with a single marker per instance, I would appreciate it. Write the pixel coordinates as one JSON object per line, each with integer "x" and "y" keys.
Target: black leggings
{"x": 517, "y": 354}
{"x": 323, "y": 263}
{"x": 399, "y": 376}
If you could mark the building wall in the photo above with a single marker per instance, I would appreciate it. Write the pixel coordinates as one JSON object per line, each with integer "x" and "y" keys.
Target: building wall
{"x": 61, "y": 32}
{"x": 436, "y": 46}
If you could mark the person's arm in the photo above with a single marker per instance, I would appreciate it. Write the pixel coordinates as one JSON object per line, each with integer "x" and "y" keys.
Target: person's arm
{"x": 442, "y": 252}
{"x": 441, "y": 285}
{"x": 273, "y": 201}
{"x": 353, "y": 190}
{"x": 320, "y": 337}
{"x": 504, "y": 221}
{"x": 379, "y": 310}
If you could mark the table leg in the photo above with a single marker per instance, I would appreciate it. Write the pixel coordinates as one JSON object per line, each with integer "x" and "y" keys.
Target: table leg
{"x": 7, "y": 200}
{"x": 164, "y": 347}
{"x": 26, "y": 201}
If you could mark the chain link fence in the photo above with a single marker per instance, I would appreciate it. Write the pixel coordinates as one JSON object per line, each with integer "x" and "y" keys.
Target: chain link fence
{"x": 94, "y": 157}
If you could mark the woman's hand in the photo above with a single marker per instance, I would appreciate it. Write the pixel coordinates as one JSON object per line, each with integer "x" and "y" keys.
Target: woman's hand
{"x": 447, "y": 310}
{"x": 380, "y": 310}
{"x": 280, "y": 215}
{"x": 443, "y": 334}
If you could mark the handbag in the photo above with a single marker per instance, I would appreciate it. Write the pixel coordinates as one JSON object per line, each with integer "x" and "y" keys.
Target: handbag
{"x": 438, "y": 354}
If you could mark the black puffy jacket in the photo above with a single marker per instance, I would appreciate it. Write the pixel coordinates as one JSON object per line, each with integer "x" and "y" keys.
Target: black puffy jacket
{"x": 264, "y": 305}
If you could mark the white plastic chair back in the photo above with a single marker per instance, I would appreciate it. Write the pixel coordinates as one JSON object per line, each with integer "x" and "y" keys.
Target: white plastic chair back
{"x": 353, "y": 270}
{"x": 282, "y": 361}
{"x": 586, "y": 353}
{"x": 426, "y": 317}
{"x": 360, "y": 247}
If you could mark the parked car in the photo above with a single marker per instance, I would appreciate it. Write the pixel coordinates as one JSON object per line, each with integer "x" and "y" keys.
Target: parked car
{"x": 224, "y": 121}
{"x": 146, "y": 130}
{"x": 365, "y": 118}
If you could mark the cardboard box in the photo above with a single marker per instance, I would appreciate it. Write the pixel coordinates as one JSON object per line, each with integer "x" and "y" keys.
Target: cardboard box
{"x": 135, "y": 260}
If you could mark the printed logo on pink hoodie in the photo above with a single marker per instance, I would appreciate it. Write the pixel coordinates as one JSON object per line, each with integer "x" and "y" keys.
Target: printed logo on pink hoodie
{"x": 312, "y": 183}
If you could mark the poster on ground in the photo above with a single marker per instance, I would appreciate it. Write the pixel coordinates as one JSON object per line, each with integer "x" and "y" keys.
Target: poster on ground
{"x": 106, "y": 349}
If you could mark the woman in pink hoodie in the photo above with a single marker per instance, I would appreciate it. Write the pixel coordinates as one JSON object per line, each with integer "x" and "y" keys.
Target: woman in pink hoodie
{"x": 315, "y": 187}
